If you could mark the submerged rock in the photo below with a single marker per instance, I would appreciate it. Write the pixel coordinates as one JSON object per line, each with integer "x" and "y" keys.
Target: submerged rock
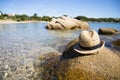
{"x": 116, "y": 42}
{"x": 108, "y": 31}
{"x": 66, "y": 23}
{"x": 44, "y": 67}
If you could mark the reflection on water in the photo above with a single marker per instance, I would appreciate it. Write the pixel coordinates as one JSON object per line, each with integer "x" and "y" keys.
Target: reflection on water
{"x": 21, "y": 43}
{"x": 64, "y": 33}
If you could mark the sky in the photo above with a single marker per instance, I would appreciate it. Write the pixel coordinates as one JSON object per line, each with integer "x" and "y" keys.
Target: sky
{"x": 72, "y": 8}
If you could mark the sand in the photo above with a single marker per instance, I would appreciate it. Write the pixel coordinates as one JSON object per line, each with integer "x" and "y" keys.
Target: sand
{"x": 11, "y": 21}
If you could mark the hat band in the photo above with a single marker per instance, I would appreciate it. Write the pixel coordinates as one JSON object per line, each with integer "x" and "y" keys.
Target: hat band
{"x": 90, "y": 48}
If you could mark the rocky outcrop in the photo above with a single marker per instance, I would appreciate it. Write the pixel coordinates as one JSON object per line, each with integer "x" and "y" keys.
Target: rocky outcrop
{"x": 71, "y": 43}
{"x": 66, "y": 23}
{"x": 108, "y": 31}
{"x": 116, "y": 42}
{"x": 104, "y": 65}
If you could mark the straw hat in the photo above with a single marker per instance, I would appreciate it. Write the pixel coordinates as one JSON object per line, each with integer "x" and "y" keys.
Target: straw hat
{"x": 89, "y": 43}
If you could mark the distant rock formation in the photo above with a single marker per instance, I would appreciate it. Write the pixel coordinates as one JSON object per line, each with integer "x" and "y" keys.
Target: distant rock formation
{"x": 66, "y": 23}
{"x": 108, "y": 31}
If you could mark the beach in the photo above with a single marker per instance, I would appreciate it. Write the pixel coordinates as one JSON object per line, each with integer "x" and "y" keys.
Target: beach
{"x": 12, "y": 21}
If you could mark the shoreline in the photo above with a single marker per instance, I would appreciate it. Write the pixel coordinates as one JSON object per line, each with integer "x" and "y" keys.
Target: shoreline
{"x": 13, "y": 22}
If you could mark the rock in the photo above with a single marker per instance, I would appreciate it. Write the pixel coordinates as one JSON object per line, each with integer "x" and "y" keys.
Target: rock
{"x": 71, "y": 43}
{"x": 102, "y": 66}
{"x": 2, "y": 75}
{"x": 105, "y": 65}
{"x": 66, "y": 23}
{"x": 108, "y": 31}
{"x": 71, "y": 65}
{"x": 47, "y": 67}
{"x": 13, "y": 68}
{"x": 84, "y": 25}
{"x": 21, "y": 78}
{"x": 116, "y": 42}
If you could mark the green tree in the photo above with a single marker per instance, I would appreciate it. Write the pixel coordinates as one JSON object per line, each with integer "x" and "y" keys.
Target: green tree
{"x": 1, "y": 13}
{"x": 17, "y": 17}
{"x": 1, "y": 17}
{"x": 22, "y": 17}
{"x": 46, "y": 18}
{"x": 35, "y": 15}
{"x": 83, "y": 18}
{"x": 65, "y": 15}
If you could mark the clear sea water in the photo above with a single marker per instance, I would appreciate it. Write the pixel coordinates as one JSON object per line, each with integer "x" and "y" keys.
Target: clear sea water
{"x": 22, "y": 42}
{"x": 23, "y": 37}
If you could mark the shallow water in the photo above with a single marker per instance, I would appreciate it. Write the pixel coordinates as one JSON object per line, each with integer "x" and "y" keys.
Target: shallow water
{"x": 21, "y": 43}
{"x": 107, "y": 39}
{"x": 97, "y": 25}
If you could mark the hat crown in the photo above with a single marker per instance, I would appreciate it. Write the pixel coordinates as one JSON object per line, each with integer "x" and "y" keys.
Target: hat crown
{"x": 89, "y": 38}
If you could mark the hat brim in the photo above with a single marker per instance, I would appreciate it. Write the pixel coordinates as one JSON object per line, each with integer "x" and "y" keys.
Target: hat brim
{"x": 82, "y": 51}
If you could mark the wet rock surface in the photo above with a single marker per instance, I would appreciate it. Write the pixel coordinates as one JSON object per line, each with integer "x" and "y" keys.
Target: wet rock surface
{"x": 44, "y": 67}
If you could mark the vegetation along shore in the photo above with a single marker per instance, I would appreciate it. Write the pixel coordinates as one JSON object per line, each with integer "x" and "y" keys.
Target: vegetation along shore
{"x": 35, "y": 17}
